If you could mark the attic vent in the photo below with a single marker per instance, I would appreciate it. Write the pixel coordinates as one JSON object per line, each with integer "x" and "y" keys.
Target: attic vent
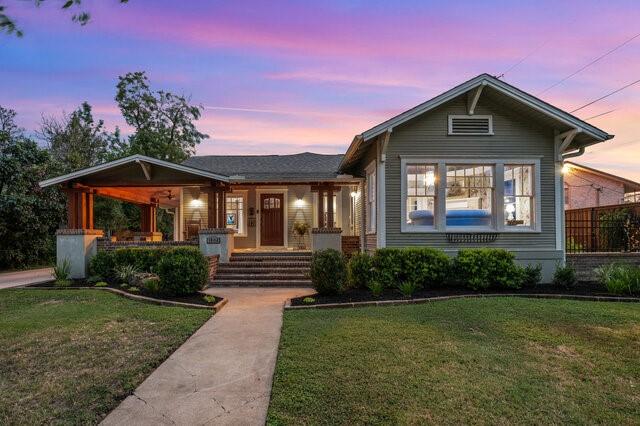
{"x": 470, "y": 125}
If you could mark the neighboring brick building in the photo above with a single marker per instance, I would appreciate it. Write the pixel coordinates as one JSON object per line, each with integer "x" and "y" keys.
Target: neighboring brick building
{"x": 587, "y": 187}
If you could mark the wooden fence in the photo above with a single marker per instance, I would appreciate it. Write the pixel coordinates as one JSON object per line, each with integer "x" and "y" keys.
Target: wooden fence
{"x": 603, "y": 229}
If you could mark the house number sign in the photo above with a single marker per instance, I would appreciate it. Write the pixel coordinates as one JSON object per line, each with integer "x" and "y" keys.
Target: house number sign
{"x": 213, "y": 240}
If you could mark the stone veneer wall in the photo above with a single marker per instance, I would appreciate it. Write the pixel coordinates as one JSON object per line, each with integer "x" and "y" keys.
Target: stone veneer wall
{"x": 586, "y": 263}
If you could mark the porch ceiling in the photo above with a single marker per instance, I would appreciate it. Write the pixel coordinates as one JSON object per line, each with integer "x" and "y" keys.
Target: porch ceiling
{"x": 167, "y": 196}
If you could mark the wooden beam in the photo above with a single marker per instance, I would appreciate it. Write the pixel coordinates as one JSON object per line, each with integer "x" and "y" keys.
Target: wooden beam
{"x": 472, "y": 99}
{"x": 146, "y": 169}
{"x": 122, "y": 195}
{"x": 385, "y": 143}
{"x": 563, "y": 140}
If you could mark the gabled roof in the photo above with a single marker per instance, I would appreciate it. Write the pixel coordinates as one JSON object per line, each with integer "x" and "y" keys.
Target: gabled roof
{"x": 632, "y": 185}
{"x": 529, "y": 100}
{"x": 128, "y": 160}
{"x": 295, "y": 167}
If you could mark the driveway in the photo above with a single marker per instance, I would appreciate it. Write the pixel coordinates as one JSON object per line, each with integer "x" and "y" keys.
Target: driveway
{"x": 222, "y": 374}
{"x": 19, "y": 278}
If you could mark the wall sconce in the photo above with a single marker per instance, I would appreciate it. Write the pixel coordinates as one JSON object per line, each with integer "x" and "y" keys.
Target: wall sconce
{"x": 354, "y": 194}
{"x": 299, "y": 203}
{"x": 196, "y": 203}
{"x": 566, "y": 169}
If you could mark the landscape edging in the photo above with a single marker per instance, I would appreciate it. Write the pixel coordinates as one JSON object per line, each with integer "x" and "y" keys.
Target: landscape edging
{"x": 459, "y": 296}
{"x": 138, "y": 297}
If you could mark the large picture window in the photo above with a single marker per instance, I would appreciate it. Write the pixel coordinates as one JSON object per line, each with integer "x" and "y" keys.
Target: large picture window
{"x": 459, "y": 196}
{"x": 469, "y": 195}
{"x": 518, "y": 195}
{"x": 235, "y": 213}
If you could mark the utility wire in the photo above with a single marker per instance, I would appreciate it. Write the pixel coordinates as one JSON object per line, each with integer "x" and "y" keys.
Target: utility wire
{"x": 600, "y": 115}
{"x": 605, "y": 96}
{"x": 524, "y": 58}
{"x": 629, "y": 40}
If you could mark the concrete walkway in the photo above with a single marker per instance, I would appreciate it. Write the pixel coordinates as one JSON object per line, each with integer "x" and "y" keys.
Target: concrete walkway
{"x": 30, "y": 276}
{"x": 222, "y": 374}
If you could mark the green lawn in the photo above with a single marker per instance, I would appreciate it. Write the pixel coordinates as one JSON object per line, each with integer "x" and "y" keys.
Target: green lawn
{"x": 481, "y": 361}
{"x": 70, "y": 356}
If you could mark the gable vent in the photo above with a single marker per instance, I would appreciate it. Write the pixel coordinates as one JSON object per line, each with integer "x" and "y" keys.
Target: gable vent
{"x": 470, "y": 125}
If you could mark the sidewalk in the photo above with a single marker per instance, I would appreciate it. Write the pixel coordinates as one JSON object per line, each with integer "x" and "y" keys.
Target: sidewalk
{"x": 20, "y": 278}
{"x": 222, "y": 374}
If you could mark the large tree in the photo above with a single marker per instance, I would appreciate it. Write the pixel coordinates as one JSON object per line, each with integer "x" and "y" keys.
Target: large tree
{"x": 9, "y": 26}
{"x": 163, "y": 122}
{"x": 76, "y": 140}
{"x": 29, "y": 215}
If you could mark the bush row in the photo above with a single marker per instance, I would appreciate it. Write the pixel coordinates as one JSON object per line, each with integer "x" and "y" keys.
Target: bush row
{"x": 181, "y": 270}
{"x": 410, "y": 269}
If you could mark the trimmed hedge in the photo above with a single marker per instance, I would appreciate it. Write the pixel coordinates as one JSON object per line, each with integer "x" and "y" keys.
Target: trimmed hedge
{"x": 359, "y": 270}
{"x": 480, "y": 269}
{"x": 182, "y": 270}
{"x": 328, "y": 271}
{"x": 419, "y": 266}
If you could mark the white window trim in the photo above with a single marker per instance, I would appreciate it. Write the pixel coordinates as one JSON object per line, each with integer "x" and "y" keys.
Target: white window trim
{"x": 244, "y": 193}
{"x": 370, "y": 226}
{"x": 497, "y": 201}
{"x": 452, "y": 117}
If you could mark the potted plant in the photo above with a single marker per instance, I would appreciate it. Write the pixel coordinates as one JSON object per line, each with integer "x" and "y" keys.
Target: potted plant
{"x": 300, "y": 228}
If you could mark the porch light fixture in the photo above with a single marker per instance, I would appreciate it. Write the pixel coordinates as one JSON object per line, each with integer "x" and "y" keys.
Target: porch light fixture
{"x": 566, "y": 169}
{"x": 196, "y": 203}
{"x": 354, "y": 194}
{"x": 299, "y": 203}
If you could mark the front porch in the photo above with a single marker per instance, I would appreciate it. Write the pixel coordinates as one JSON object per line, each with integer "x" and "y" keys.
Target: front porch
{"x": 220, "y": 214}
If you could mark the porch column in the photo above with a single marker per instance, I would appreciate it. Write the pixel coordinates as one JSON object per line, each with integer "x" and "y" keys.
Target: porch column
{"x": 148, "y": 213}
{"x": 330, "y": 220}
{"x": 321, "y": 223}
{"x": 79, "y": 209}
{"x": 222, "y": 209}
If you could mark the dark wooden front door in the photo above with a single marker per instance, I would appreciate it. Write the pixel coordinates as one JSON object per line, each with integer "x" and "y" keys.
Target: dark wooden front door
{"x": 271, "y": 217}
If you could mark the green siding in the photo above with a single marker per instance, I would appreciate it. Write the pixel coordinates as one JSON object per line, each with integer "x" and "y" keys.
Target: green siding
{"x": 515, "y": 136}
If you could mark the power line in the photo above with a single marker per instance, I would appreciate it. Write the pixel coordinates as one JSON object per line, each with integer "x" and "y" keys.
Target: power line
{"x": 600, "y": 115}
{"x": 629, "y": 40}
{"x": 605, "y": 96}
{"x": 524, "y": 58}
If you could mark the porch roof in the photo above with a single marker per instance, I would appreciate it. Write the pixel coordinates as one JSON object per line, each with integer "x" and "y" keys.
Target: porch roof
{"x": 137, "y": 170}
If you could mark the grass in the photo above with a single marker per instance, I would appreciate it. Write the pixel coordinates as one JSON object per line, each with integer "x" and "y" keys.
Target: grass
{"x": 480, "y": 361}
{"x": 70, "y": 356}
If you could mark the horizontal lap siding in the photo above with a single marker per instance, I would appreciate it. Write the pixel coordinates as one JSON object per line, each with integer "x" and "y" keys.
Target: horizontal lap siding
{"x": 514, "y": 136}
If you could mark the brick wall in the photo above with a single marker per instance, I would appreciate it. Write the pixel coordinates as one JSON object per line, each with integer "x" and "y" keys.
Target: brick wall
{"x": 350, "y": 244}
{"x": 580, "y": 194}
{"x": 585, "y": 263}
{"x": 108, "y": 245}
{"x": 213, "y": 267}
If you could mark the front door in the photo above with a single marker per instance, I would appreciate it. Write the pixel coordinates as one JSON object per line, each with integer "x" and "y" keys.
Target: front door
{"x": 271, "y": 218}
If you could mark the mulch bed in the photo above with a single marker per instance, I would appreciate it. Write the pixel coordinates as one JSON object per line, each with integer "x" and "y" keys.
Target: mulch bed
{"x": 196, "y": 299}
{"x": 364, "y": 295}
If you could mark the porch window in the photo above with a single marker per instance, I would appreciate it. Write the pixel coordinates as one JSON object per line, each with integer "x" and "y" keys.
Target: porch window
{"x": 235, "y": 218}
{"x": 371, "y": 198}
{"x": 518, "y": 195}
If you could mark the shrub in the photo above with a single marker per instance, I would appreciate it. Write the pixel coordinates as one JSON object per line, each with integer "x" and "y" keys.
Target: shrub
{"x": 376, "y": 288}
{"x": 182, "y": 271}
{"x": 103, "y": 264}
{"x": 126, "y": 273}
{"x": 422, "y": 266}
{"x": 407, "y": 288}
{"x": 620, "y": 278}
{"x": 100, "y": 284}
{"x": 565, "y": 277}
{"x": 532, "y": 275}
{"x": 209, "y": 298}
{"x": 61, "y": 273}
{"x": 308, "y": 300}
{"x": 133, "y": 289}
{"x": 480, "y": 269}
{"x": 328, "y": 271}
{"x": 359, "y": 272}
{"x": 151, "y": 284}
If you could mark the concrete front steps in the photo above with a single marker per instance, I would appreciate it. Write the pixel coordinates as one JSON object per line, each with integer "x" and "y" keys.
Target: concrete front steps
{"x": 265, "y": 269}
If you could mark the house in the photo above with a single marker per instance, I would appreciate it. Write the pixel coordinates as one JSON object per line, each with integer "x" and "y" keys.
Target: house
{"x": 477, "y": 166}
{"x": 586, "y": 187}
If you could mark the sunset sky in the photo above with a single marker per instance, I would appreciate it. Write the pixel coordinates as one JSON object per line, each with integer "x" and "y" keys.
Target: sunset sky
{"x": 293, "y": 76}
